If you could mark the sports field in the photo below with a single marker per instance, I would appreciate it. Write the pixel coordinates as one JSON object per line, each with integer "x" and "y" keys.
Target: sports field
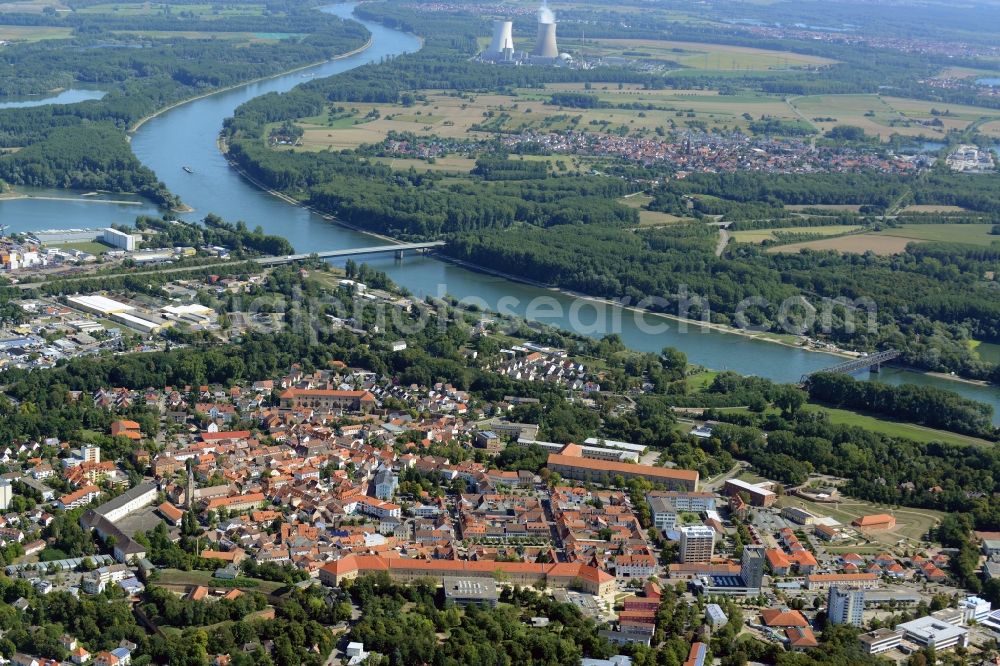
{"x": 912, "y": 524}
{"x": 93, "y": 247}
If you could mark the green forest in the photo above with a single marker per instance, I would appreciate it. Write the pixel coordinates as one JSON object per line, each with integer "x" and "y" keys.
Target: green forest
{"x": 569, "y": 230}
{"x": 84, "y": 145}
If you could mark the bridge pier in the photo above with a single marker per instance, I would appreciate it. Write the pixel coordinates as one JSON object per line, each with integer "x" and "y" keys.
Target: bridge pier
{"x": 399, "y": 254}
{"x": 875, "y": 368}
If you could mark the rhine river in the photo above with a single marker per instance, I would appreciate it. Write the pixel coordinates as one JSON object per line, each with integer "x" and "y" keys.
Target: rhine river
{"x": 186, "y": 136}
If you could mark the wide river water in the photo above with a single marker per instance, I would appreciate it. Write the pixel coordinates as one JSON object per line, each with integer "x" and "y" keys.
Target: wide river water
{"x": 186, "y": 136}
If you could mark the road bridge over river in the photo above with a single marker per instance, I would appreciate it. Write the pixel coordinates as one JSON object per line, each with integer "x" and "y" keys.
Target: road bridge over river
{"x": 871, "y": 362}
{"x": 397, "y": 248}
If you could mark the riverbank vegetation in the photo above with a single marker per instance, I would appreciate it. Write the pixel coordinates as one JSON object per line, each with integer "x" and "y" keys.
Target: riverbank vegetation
{"x": 84, "y": 145}
{"x": 569, "y": 228}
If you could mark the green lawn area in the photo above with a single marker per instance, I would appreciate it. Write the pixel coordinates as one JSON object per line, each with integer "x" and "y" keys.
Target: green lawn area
{"x": 700, "y": 381}
{"x": 178, "y": 577}
{"x": 910, "y": 523}
{"x": 973, "y": 234}
{"x": 93, "y": 247}
{"x": 897, "y": 429}
{"x": 987, "y": 351}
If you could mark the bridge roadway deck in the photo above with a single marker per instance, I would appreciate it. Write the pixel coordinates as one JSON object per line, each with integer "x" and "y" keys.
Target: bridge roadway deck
{"x": 350, "y": 252}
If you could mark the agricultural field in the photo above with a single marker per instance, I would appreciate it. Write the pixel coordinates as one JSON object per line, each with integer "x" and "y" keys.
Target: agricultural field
{"x": 235, "y": 37}
{"x": 718, "y": 57}
{"x": 883, "y": 116}
{"x": 895, "y": 240}
{"x": 440, "y": 164}
{"x": 853, "y": 244}
{"x": 444, "y": 116}
{"x": 32, "y": 33}
{"x": 203, "y": 11}
{"x": 991, "y": 128}
{"x": 833, "y": 208}
{"x": 974, "y": 234}
{"x": 963, "y": 73}
{"x": 757, "y": 236}
{"x": 708, "y": 107}
{"x": 649, "y": 218}
{"x": 30, "y": 6}
{"x": 915, "y": 208}
{"x": 448, "y": 116}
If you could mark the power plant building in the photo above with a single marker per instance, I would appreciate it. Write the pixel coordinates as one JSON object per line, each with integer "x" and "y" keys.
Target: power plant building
{"x": 545, "y": 45}
{"x": 502, "y": 44}
{"x": 545, "y": 50}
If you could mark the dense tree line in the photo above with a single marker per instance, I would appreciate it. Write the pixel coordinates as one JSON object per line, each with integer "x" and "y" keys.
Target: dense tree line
{"x": 88, "y": 157}
{"x": 400, "y": 622}
{"x": 925, "y": 302}
{"x": 214, "y": 231}
{"x": 879, "y": 468}
{"x": 927, "y": 405}
{"x": 84, "y": 145}
{"x": 566, "y": 230}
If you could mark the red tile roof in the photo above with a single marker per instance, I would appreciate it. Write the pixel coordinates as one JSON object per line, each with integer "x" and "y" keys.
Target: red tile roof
{"x": 783, "y": 617}
{"x": 623, "y": 468}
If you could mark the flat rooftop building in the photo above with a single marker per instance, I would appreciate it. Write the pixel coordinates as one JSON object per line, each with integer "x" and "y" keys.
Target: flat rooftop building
{"x": 934, "y": 633}
{"x": 697, "y": 544}
{"x": 759, "y": 496}
{"x": 880, "y": 640}
{"x": 99, "y": 304}
{"x": 468, "y": 591}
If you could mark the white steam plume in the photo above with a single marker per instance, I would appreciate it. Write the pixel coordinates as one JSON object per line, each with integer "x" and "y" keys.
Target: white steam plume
{"x": 545, "y": 15}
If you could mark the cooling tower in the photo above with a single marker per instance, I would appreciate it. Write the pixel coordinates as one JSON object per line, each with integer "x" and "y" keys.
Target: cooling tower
{"x": 545, "y": 47}
{"x": 503, "y": 38}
